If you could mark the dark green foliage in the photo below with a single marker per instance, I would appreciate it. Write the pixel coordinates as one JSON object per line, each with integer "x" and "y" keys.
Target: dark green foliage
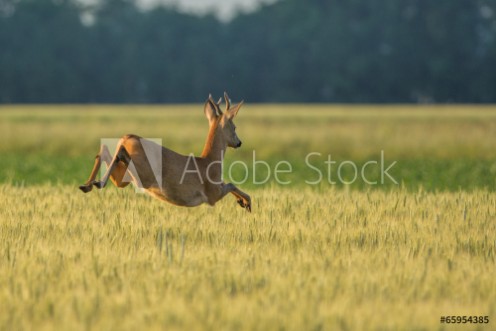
{"x": 291, "y": 51}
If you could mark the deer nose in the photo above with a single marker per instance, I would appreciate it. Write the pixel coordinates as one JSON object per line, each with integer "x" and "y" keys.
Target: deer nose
{"x": 239, "y": 144}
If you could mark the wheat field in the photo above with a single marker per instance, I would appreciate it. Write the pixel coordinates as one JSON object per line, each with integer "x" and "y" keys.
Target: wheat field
{"x": 324, "y": 257}
{"x": 302, "y": 261}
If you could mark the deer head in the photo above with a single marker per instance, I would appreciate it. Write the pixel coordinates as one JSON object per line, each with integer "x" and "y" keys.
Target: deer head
{"x": 224, "y": 120}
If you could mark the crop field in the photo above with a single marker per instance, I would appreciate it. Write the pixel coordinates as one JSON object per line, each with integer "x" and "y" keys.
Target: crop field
{"x": 363, "y": 251}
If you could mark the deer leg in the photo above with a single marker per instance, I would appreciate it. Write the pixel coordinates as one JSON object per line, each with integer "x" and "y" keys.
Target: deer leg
{"x": 116, "y": 175}
{"x": 116, "y": 169}
{"x": 103, "y": 155}
{"x": 242, "y": 198}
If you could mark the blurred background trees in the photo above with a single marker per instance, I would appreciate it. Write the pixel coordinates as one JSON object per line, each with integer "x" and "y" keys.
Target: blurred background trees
{"x": 377, "y": 51}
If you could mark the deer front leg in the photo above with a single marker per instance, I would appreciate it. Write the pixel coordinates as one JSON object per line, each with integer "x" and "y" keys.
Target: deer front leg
{"x": 242, "y": 198}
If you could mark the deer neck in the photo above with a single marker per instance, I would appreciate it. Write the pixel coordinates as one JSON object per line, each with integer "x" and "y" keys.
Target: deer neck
{"x": 215, "y": 146}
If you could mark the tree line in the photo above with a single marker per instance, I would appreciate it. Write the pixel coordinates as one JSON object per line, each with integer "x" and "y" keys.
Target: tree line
{"x": 377, "y": 51}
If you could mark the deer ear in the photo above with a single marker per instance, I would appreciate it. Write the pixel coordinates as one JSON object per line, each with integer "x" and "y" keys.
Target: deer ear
{"x": 216, "y": 104}
{"x": 234, "y": 110}
{"x": 210, "y": 110}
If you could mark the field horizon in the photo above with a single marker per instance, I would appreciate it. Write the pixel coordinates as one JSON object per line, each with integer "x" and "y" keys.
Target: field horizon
{"x": 434, "y": 147}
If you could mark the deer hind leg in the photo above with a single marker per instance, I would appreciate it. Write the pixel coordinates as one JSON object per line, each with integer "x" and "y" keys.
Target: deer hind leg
{"x": 101, "y": 156}
{"x": 116, "y": 175}
{"x": 117, "y": 169}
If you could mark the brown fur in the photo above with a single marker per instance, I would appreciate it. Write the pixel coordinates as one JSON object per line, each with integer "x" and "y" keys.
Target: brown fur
{"x": 196, "y": 187}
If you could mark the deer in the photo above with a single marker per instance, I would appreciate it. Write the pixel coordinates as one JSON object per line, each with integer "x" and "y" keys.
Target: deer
{"x": 182, "y": 180}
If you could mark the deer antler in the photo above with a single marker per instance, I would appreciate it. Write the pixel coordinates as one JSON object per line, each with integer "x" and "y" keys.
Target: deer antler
{"x": 218, "y": 106}
{"x": 228, "y": 102}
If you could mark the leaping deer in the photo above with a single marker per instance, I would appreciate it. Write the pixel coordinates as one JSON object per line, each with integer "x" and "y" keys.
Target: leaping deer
{"x": 184, "y": 180}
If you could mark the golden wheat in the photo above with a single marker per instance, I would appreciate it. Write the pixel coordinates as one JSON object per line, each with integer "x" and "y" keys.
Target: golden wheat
{"x": 304, "y": 260}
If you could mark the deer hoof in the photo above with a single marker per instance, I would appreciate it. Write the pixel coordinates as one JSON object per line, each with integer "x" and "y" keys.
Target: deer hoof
{"x": 86, "y": 188}
{"x": 98, "y": 185}
{"x": 245, "y": 204}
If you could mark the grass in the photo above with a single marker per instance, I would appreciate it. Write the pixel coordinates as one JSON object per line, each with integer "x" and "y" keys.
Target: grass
{"x": 436, "y": 148}
{"x": 323, "y": 257}
{"x": 304, "y": 260}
